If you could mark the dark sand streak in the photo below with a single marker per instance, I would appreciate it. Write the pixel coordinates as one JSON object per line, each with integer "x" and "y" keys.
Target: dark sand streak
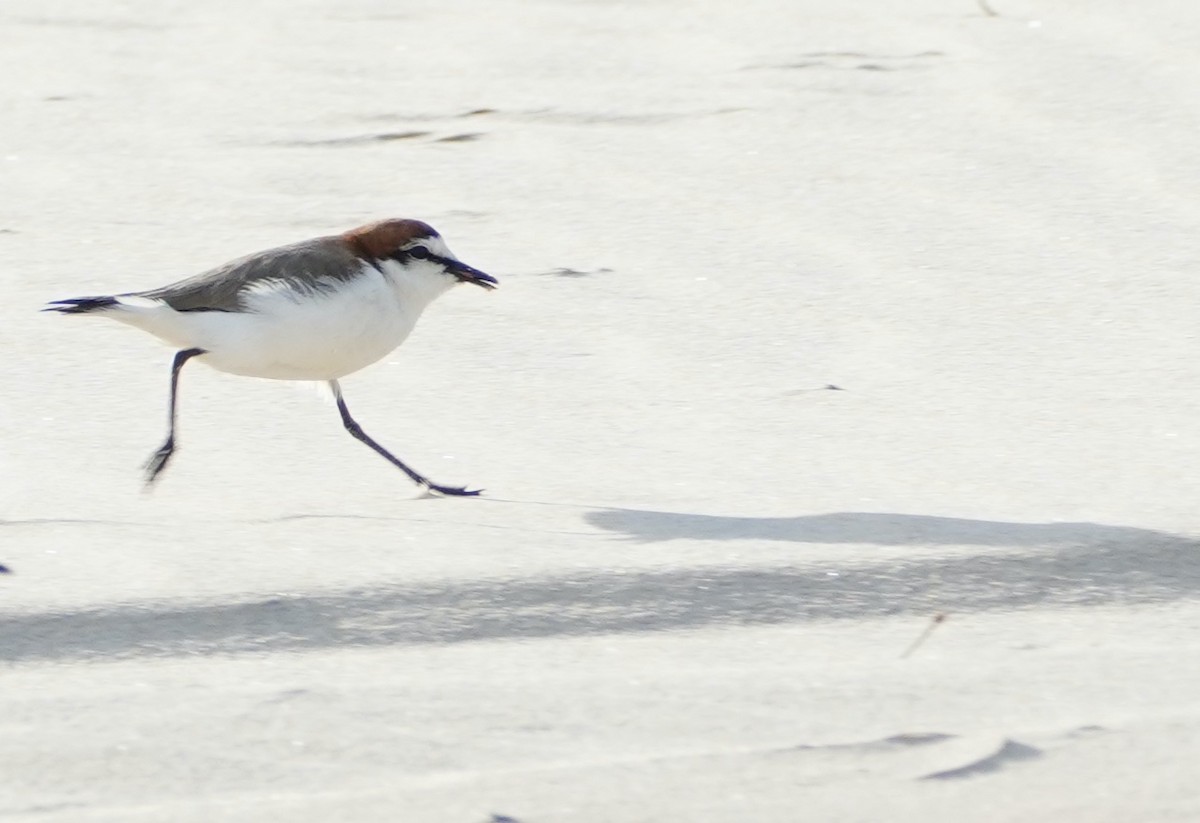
{"x": 1092, "y": 565}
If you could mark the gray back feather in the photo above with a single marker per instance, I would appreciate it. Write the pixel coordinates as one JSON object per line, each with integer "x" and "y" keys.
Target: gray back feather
{"x": 308, "y": 267}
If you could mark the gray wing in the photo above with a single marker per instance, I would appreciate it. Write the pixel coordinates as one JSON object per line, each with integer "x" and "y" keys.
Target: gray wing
{"x": 308, "y": 267}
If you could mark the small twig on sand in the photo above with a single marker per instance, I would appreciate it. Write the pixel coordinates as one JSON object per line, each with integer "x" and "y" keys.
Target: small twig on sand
{"x": 933, "y": 624}
{"x": 988, "y": 10}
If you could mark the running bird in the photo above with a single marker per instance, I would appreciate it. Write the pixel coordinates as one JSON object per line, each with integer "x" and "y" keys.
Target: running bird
{"x": 316, "y": 310}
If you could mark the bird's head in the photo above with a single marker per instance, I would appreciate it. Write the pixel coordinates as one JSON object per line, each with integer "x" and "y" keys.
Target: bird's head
{"x": 416, "y": 246}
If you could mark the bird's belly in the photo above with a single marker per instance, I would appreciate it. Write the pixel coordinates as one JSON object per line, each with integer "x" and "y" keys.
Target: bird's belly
{"x": 313, "y": 337}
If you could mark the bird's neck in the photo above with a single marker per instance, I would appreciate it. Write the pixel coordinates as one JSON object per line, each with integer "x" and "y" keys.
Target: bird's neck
{"x": 416, "y": 283}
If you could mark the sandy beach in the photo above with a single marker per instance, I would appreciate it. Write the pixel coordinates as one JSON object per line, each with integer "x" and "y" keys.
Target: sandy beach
{"x": 816, "y": 321}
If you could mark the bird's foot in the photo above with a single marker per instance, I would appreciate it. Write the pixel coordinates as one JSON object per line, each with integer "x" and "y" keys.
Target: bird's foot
{"x": 449, "y": 491}
{"x": 157, "y": 462}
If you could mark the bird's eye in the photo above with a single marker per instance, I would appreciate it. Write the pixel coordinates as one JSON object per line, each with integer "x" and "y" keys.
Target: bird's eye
{"x": 419, "y": 252}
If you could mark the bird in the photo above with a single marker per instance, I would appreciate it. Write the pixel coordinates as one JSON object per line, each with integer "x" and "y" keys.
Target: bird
{"x": 316, "y": 310}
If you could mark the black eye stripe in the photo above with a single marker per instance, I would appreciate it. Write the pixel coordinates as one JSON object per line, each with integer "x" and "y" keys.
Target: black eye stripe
{"x": 419, "y": 253}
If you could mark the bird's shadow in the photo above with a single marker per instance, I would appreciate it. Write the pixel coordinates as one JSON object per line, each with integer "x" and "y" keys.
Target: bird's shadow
{"x": 877, "y": 528}
{"x": 1020, "y": 566}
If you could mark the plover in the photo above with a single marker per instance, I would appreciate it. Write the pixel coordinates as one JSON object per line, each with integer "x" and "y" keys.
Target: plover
{"x": 315, "y": 310}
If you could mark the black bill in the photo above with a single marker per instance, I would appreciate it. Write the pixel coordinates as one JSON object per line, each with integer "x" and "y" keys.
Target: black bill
{"x": 467, "y": 274}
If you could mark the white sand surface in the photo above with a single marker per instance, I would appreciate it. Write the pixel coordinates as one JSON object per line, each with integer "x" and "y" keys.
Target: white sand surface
{"x": 688, "y": 589}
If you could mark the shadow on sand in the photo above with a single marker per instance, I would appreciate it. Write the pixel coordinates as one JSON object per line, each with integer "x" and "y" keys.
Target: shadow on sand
{"x": 1048, "y": 565}
{"x": 867, "y": 527}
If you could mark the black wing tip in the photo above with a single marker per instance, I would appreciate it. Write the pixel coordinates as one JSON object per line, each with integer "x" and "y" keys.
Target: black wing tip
{"x": 81, "y": 305}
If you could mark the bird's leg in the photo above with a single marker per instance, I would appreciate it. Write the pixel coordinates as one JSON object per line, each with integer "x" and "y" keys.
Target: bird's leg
{"x": 356, "y": 430}
{"x": 158, "y": 460}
